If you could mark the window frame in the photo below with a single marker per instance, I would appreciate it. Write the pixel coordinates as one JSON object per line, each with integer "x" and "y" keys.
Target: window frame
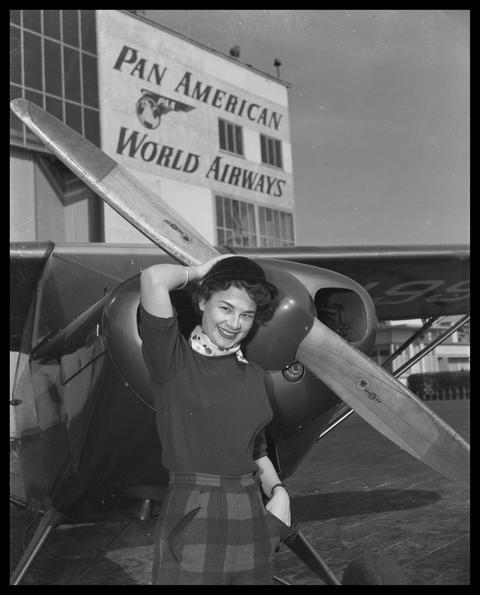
{"x": 271, "y": 151}
{"x": 230, "y": 135}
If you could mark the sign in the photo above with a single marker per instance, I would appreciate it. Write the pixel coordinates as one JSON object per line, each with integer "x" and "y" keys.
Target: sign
{"x": 161, "y": 98}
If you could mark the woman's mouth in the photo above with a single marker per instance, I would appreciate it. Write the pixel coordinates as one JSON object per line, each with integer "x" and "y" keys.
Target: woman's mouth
{"x": 227, "y": 334}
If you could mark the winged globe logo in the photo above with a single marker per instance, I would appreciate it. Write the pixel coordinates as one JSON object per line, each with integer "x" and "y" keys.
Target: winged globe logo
{"x": 151, "y": 107}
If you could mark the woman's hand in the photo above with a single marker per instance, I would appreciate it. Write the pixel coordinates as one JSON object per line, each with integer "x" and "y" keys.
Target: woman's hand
{"x": 279, "y": 505}
{"x": 202, "y": 269}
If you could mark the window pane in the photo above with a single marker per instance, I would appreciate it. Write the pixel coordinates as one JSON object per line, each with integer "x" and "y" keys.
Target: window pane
{"x": 243, "y": 215}
{"x": 251, "y": 218}
{"x": 32, "y": 20}
{"x": 70, "y": 27}
{"x": 73, "y": 116}
{"x": 92, "y": 126}
{"x": 15, "y": 17}
{"x": 90, "y": 80}
{"x": 278, "y": 154}
{"x": 290, "y": 227}
{"x": 263, "y": 148}
{"x": 220, "y": 237}
{"x": 51, "y": 23}
{"x": 89, "y": 39}
{"x": 282, "y": 224}
{"x": 239, "y": 141}
{"x": 54, "y": 107}
{"x": 15, "y": 56}
{"x": 53, "y": 68}
{"x": 222, "y": 135}
{"x": 16, "y": 126}
{"x": 33, "y": 60}
{"x": 230, "y": 141}
{"x": 228, "y": 214}
{"x": 276, "y": 218}
{"x": 71, "y": 65}
{"x": 261, "y": 217}
{"x": 270, "y": 151}
{"x": 220, "y": 221}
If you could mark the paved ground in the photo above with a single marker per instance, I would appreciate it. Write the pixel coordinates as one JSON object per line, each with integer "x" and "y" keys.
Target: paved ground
{"x": 355, "y": 494}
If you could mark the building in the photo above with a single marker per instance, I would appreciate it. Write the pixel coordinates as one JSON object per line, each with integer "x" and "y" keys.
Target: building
{"x": 207, "y": 133}
{"x": 450, "y": 356}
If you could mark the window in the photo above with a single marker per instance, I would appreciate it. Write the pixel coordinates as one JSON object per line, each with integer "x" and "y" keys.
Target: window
{"x": 380, "y": 354}
{"x": 271, "y": 151}
{"x": 230, "y": 136}
{"x": 276, "y": 227}
{"x": 235, "y": 222}
{"x": 53, "y": 63}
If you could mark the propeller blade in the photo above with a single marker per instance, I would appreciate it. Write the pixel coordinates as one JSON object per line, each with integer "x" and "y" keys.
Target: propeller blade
{"x": 384, "y": 402}
{"x": 136, "y": 203}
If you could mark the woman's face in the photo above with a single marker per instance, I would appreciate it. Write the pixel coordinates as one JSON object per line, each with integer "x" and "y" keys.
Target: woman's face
{"x": 228, "y": 316}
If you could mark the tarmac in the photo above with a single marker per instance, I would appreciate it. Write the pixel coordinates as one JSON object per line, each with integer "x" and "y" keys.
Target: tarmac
{"x": 356, "y": 495}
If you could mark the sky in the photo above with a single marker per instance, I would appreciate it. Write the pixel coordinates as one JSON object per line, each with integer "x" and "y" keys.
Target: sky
{"x": 379, "y": 109}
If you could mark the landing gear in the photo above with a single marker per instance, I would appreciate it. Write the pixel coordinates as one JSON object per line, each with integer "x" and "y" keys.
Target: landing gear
{"x": 49, "y": 521}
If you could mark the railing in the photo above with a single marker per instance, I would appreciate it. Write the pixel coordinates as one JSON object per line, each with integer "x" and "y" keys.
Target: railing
{"x": 446, "y": 393}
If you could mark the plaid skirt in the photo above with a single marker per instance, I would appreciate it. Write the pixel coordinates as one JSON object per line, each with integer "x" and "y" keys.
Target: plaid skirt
{"x": 215, "y": 530}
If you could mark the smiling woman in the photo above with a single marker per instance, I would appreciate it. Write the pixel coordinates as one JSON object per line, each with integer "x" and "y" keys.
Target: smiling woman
{"x": 211, "y": 414}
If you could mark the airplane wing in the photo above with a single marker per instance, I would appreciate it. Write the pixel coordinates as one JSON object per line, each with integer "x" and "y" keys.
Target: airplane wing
{"x": 404, "y": 282}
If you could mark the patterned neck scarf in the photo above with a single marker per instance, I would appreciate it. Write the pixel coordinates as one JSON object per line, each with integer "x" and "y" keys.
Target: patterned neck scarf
{"x": 200, "y": 342}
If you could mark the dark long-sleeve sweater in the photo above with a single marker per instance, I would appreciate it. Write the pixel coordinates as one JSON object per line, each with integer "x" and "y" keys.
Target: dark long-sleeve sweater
{"x": 211, "y": 411}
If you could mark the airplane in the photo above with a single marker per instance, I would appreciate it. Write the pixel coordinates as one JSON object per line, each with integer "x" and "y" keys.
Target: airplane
{"x": 82, "y": 400}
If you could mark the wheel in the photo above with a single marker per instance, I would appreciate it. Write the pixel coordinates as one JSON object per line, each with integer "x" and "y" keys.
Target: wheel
{"x": 374, "y": 569}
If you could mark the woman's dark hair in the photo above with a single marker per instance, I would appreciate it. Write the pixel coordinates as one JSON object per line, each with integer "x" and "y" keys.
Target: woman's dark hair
{"x": 259, "y": 293}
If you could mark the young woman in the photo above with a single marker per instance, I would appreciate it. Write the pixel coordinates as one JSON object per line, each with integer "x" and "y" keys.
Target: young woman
{"x": 211, "y": 408}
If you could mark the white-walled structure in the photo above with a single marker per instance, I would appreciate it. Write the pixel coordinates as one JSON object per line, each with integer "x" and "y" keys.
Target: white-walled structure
{"x": 206, "y": 132}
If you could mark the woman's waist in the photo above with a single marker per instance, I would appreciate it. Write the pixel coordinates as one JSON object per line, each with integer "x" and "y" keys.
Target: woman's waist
{"x": 212, "y": 479}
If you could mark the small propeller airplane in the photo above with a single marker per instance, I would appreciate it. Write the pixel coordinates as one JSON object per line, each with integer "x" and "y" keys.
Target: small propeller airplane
{"x": 83, "y": 406}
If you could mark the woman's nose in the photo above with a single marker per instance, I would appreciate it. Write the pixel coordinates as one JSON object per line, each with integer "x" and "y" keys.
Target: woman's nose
{"x": 234, "y": 321}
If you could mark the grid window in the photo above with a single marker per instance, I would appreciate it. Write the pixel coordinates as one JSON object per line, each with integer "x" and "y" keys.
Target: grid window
{"x": 54, "y": 107}
{"x": 276, "y": 227}
{"x": 73, "y": 116}
{"x": 70, "y": 27}
{"x": 51, "y": 23}
{"x": 92, "y": 126}
{"x": 15, "y": 55}
{"x": 53, "y": 63}
{"x": 15, "y": 17}
{"x": 88, "y": 31}
{"x": 71, "y": 67}
{"x": 235, "y": 222}
{"x": 230, "y": 137}
{"x": 32, "y": 47}
{"x": 271, "y": 151}
{"x": 90, "y": 80}
{"x": 32, "y": 19}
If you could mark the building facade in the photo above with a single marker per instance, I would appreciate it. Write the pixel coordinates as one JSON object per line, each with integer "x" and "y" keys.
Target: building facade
{"x": 207, "y": 133}
{"x": 453, "y": 355}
